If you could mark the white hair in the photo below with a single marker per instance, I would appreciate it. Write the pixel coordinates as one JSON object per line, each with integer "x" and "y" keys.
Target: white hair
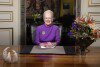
{"x": 48, "y": 11}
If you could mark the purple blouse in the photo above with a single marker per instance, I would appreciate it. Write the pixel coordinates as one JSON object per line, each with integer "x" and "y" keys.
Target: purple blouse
{"x": 47, "y": 34}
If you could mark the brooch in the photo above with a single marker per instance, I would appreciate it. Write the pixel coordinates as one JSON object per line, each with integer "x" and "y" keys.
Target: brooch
{"x": 43, "y": 32}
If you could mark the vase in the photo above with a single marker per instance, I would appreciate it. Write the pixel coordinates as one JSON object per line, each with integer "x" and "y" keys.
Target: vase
{"x": 84, "y": 43}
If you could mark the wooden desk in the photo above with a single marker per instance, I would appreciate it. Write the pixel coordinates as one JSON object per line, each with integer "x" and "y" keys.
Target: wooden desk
{"x": 91, "y": 59}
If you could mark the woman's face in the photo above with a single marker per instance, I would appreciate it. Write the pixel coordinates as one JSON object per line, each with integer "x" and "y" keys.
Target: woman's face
{"x": 48, "y": 18}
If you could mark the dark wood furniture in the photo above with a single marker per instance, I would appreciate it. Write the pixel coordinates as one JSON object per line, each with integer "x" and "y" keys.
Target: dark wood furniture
{"x": 91, "y": 59}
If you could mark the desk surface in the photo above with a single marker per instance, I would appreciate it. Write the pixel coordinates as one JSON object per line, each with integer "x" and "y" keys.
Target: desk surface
{"x": 69, "y": 50}
{"x": 91, "y": 59}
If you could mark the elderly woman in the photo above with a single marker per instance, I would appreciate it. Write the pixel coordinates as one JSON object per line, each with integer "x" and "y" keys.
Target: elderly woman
{"x": 47, "y": 35}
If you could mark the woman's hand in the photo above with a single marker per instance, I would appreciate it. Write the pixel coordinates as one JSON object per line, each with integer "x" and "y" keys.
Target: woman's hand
{"x": 48, "y": 44}
{"x": 51, "y": 44}
{"x": 45, "y": 44}
{"x": 54, "y": 43}
{"x": 42, "y": 44}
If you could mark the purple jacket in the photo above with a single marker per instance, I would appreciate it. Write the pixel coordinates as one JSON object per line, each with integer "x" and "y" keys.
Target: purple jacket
{"x": 47, "y": 34}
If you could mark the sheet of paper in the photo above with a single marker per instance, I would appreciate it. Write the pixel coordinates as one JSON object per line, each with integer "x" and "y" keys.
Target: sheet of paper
{"x": 47, "y": 47}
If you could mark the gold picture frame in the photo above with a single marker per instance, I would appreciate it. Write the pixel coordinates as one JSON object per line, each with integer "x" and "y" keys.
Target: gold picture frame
{"x": 93, "y": 3}
{"x": 6, "y": 2}
{"x": 95, "y": 15}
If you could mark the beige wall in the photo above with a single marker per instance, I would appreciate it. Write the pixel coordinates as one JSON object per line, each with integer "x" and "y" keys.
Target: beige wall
{"x": 9, "y": 22}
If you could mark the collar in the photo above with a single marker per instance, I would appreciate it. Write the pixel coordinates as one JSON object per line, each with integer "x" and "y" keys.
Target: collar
{"x": 48, "y": 25}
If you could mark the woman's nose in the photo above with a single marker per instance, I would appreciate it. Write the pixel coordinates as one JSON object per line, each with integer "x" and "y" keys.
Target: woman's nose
{"x": 48, "y": 20}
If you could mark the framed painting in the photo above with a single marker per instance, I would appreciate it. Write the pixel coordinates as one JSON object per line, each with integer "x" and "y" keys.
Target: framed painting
{"x": 39, "y": 6}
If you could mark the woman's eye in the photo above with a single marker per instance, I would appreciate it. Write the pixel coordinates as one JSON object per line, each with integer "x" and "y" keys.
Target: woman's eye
{"x": 45, "y": 18}
{"x": 48, "y": 18}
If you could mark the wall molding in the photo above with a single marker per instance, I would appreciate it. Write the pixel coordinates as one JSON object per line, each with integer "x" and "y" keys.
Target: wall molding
{"x": 95, "y": 16}
{"x": 93, "y": 3}
{"x": 6, "y": 16}
{"x": 10, "y": 30}
{"x": 6, "y": 2}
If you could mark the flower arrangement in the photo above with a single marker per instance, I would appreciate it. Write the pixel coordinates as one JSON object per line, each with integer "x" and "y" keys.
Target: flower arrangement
{"x": 84, "y": 30}
{"x": 35, "y": 16}
{"x": 83, "y": 27}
